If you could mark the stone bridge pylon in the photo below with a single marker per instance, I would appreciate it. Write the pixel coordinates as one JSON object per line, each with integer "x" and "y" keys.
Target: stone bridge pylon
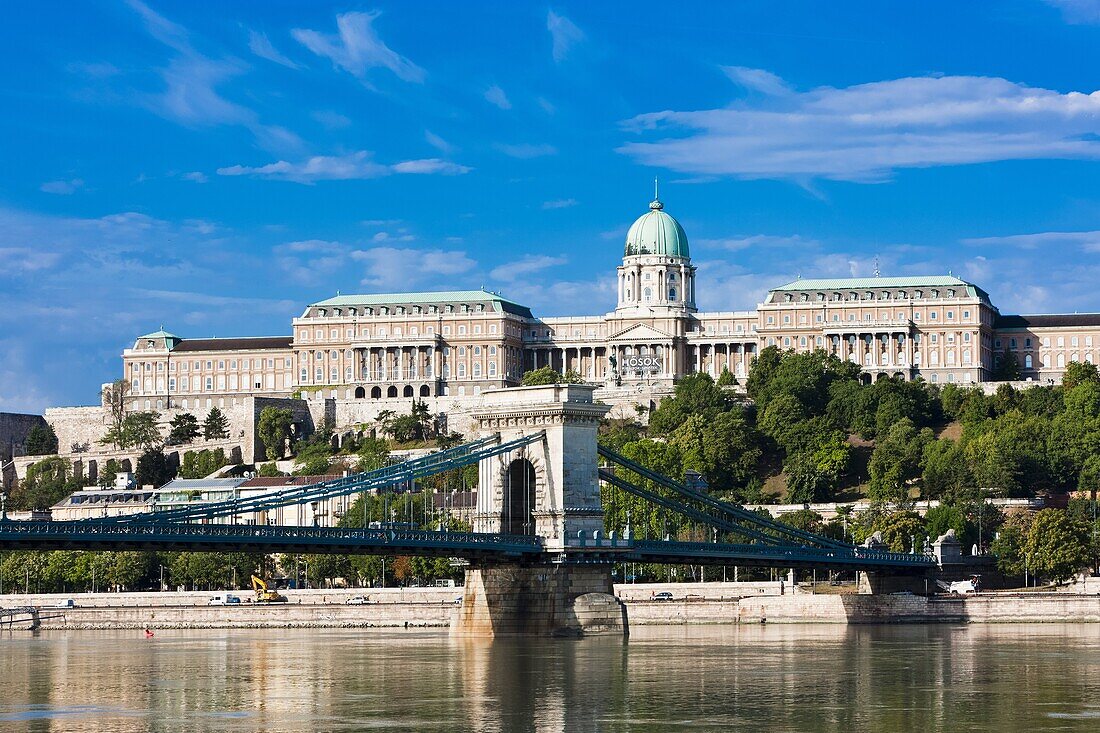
{"x": 549, "y": 488}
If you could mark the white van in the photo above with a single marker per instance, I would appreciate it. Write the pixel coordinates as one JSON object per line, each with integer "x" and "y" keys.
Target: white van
{"x": 223, "y": 599}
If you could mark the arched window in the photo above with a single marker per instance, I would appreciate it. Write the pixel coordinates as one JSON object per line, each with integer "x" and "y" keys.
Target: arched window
{"x": 1061, "y": 360}
{"x": 1027, "y": 361}
{"x": 647, "y": 294}
{"x": 672, "y": 293}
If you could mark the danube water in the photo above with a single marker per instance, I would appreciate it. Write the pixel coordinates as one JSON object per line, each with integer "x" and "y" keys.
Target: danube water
{"x": 752, "y": 678}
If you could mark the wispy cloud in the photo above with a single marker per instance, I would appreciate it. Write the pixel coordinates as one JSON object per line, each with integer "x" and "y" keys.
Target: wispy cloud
{"x": 1078, "y": 12}
{"x": 495, "y": 96}
{"x": 357, "y": 49}
{"x": 195, "y": 177}
{"x": 866, "y": 132}
{"x": 564, "y": 34}
{"x": 754, "y": 241}
{"x": 191, "y": 80}
{"x": 63, "y": 188}
{"x": 1086, "y": 241}
{"x": 352, "y": 166}
{"x": 510, "y": 271}
{"x": 431, "y": 165}
{"x": 438, "y": 143}
{"x": 559, "y": 204}
{"x": 261, "y": 45}
{"x": 331, "y": 120}
{"x": 388, "y": 265}
{"x": 758, "y": 80}
{"x": 526, "y": 150}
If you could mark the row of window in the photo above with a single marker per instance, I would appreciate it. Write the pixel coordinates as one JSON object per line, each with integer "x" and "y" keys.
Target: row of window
{"x": 399, "y": 310}
{"x": 186, "y": 366}
{"x": 1060, "y": 341}
{"x": 334, "y": 334}
{"x": 819, "y": 318}
{"x": 869, "y": 295}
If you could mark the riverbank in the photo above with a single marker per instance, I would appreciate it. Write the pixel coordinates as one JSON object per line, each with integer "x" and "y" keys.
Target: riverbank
{"x": 691, "y": 605}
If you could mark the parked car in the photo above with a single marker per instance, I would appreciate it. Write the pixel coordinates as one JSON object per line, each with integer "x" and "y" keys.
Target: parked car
{"x": 66, "y": 603}
{"x": 357, "y": 601}
{"x": 662, "y": 596}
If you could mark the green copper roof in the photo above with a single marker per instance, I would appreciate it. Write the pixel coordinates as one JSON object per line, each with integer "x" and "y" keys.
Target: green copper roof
{"x": 161, "y": 334}
{"x": 841, "y": 283}
{"x": 656, "y": 233}
{"x": 878, "y": 283}
{"x": 498, "y": 303}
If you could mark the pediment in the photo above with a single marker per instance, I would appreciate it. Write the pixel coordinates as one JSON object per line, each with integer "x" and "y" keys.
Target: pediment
{"x": 641, "y": 332}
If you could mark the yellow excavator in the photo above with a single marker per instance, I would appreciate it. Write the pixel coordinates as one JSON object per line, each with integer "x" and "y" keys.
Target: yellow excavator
{"x": 264, "y": 595}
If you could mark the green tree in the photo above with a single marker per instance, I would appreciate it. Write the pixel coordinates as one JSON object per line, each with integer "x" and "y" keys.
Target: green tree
{"x": 113, "y": 398}
{"x": 153, "y": 468}
{"x": 313, "y": 460}
{"x": 896, "y": 460}
{"x": 725, "y": 449}
{"x": 1009, "y": 544}
{"x": 1006, "y": 368}
{"x": 108, "y": 472}
{"x": 216, "y": 425}
{"x": 695, "y": 394}
{"x": 273, "y": 428}
{"x": 901, "y": 529}
{"x": 184, "y": 428}
{"x": 1089, "y": 479}
{"x": 805, "y": 519}
{"x": 941, "y": 518}
{"x": 1078, "y": 372}
{"x": 47, "y": 482}
{"x": 726, "y": 378}
{"x": 540, "y": 376}
{"x": 945, "y": 472}
{"x": 373, "y": 454}
{"x": 571, "y": 376}
{"x": 269, "y": 469}
{"x": 200, "y": 464}
{"x": 1057, "y": 547}
{"x": 41, "y": 440}
{"x": 816, "y": 475}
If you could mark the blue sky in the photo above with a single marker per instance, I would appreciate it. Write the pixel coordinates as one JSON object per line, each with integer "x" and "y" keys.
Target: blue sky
{"x": 213, "y": 168}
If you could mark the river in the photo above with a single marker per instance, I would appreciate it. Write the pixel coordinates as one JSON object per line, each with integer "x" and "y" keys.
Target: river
{"x": 752, "y": 678}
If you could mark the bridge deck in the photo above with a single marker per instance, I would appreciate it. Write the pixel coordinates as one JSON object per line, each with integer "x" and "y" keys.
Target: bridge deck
{"x": 482, "y": 547}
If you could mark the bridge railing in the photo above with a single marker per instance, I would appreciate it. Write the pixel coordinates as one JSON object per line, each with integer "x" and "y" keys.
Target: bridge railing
{"x": 168, "y": 531}
{"x": 794, "y": 552}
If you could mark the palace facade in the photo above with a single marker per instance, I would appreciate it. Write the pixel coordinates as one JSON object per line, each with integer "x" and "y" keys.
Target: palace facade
{"x": 457, "y": 344}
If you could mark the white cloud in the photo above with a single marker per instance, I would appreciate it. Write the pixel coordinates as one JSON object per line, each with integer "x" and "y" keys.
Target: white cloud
{"x": 495, "y": 95}
{"x": 331, "y": 120}
{"x": 754, "y": 241}
{"x": 63, "y": 188}
{"x": 547, "y": 106}
{"x": 526, "y": 150}
{"x": 438, "y": 143}
{"x": 1078, "y": 12}
{"x": 356, "y": 48}
{"x": 352, "y": 166}
{"x": 867, "y": 132}
{"x": 559, "y": 204}
{"x": 191, "y": 80}
{"x": 759, "y": 80}
{"x": 564, "y": 33}
{"x": 431, "y": 165}
{"x": 195, "y": 177}
{"x": 525, "y": 266}
{"x": 397, "y": 268}
{"x": 1086, "y": 241}
{"x": 261, "y": 45}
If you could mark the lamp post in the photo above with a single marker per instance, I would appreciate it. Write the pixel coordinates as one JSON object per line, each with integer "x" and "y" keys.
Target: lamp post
{"x": 162, "y": 588}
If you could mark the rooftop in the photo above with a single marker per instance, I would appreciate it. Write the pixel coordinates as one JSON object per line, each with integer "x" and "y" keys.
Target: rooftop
{"x": 841, "y": 283}
{"x": 1051, "y": 320}
{"x": 243, "y": 343}
{"x": 499, "y": 303}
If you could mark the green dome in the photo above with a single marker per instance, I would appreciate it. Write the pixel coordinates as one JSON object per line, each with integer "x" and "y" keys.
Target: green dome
{"x": 656, "y": 233}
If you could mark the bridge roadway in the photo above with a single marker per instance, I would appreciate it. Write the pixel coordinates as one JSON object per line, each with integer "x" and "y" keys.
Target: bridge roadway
{"x": 478, "y": 547}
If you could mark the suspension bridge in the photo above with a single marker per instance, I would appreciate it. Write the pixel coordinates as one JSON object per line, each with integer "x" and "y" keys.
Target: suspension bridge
{"x": 539, "y": 542}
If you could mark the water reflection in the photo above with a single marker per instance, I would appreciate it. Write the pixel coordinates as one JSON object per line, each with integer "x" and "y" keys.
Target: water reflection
{"x": 751, "y": 678}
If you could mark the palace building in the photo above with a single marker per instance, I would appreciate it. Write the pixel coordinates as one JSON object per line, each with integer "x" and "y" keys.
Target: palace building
{"x": 456, "y": 344}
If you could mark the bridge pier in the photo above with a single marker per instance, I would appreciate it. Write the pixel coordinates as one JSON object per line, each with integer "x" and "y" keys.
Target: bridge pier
{"x": 882, "y": 584}
{"x": 560, "y": 600}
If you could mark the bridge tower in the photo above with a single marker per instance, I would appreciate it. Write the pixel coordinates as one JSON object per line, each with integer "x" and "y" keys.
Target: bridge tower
{"x": 551, "y": 489}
